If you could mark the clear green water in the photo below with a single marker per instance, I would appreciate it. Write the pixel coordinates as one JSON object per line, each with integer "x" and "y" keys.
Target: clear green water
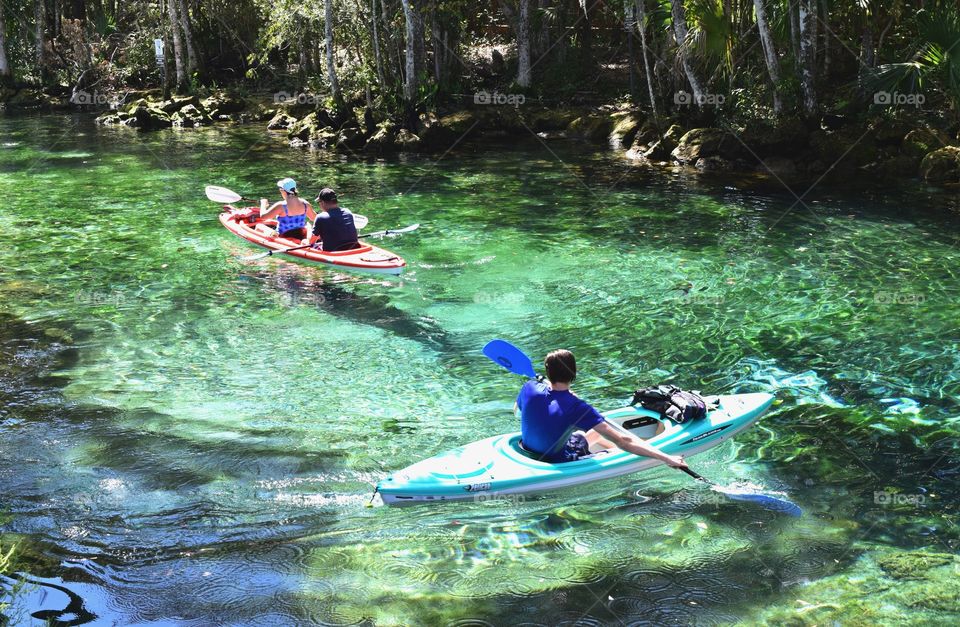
{"x": 212, "y": 442}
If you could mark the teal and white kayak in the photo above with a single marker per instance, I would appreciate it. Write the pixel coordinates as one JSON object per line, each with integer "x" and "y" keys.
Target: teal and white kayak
{"x": 497, "y": 466}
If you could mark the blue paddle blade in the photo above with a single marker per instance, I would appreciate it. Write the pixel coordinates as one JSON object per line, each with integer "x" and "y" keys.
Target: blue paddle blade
{"x": 505, "y": 354}
{"x": 765, "y": 500}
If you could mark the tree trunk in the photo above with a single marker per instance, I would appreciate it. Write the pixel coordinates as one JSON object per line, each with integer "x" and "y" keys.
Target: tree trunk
{"x": 6, "y": 76}
{"x": 808, "y": 43}
{"x": 181, "y": 81}
{"x": 629, "y": 18}
{"x": 769, "y": 54}
{"x": 376, "y": 47}
{"x": 410, "y": 67}
{"x": 793, "y": 14}
{"x": 40, "y": 22}
{"x": 77, "y": 10}
{"x": 193, "y": 62}
{"x": 331, "y": 68}
{"x": 827, "y": 34}
{"x": 586, "y": 39}
{"x": 680, "y": 36}
{"x": 523, "y": 44}
{"x": 438, "y": 49}
{"x": 642, "y": 25}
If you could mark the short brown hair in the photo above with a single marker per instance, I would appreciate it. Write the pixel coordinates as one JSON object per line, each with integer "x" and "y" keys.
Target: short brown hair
{"x": 561, "y": 366}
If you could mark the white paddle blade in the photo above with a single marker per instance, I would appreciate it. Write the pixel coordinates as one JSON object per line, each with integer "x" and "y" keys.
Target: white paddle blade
{"x": 222, "y": 194}
{"x": 360, "y": 221}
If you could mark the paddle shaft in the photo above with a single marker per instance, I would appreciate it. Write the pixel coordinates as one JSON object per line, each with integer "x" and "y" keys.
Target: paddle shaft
{"x": 696, "y": 476}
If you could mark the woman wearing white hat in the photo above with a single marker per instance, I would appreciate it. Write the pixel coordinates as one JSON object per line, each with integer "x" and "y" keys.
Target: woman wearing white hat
{"x": 291, "y": 213}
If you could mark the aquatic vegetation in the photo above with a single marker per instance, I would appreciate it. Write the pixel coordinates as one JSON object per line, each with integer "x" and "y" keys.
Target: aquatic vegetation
{"x": 885, "y": 587}
{"x": 176, "y": 422}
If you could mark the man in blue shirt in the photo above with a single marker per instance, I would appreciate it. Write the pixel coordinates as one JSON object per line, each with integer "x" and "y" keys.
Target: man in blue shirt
{"x": 551, "y": 415}
{"x": 334, "y": 225}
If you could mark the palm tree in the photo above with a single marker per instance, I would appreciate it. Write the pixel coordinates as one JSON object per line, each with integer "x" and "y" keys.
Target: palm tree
{"x": 937, "y": 59}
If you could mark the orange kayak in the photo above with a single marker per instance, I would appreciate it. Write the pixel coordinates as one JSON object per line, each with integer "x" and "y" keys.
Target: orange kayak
{"x": 245, "y": 223}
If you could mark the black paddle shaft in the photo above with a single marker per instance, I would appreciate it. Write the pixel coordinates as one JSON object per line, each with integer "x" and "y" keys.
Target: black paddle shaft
{"x": 693, "y": 474}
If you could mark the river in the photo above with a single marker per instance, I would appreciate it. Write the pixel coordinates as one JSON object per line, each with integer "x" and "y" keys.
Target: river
{"x": 190, "y": 438}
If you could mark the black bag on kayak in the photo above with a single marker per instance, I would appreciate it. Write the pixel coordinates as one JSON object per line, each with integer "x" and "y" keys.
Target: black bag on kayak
{"x": 671, "y": 402}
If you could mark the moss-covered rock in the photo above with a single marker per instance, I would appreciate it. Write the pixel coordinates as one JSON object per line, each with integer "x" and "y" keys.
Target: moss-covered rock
{"x": 26, "y": 98}
{"x": 176, "y": 103}
{"x": 890, "y": 132}
{"x": 700, "y": 143}
{"x": 650, "y": 146}
{"x": 590, "y": 127}
{"x": 459, "y": 123}
{"x": 541, "y": 120}
{"x": 941, "y": 166}
{"x": 190, "y": 116}
{"x": 281, "y": 120}
{"x": 351, "y": 138}
{"x": 788, "y": 136}
{"x": 308, "y": 126}
{"x": 922, "y": 141}
{"x": 912, "y": 565}
{"x": 146, "y": 118}
{"x": 407, "y": 141}
{"x": 625, "y": 127}
{"x": 384, "y": 140}
{"x": 887, "y": 587}
{"x": 222, "y": 104}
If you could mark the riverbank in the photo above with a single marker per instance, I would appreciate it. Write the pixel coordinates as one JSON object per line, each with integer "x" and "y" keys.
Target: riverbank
{"x": 889, "y": 144}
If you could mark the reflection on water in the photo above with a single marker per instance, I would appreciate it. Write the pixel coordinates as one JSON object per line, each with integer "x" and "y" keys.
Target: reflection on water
{"x": 187, "y": 435}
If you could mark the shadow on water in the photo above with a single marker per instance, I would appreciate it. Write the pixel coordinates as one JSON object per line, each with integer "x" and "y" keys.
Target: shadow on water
{"x": 345, "y": 298}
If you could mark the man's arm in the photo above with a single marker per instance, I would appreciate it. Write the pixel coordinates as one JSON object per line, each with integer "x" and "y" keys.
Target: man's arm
{"x": 627, "y": 441}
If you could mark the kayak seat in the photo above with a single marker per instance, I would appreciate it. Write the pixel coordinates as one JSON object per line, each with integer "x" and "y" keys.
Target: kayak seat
{"x": 518, "y": 445}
